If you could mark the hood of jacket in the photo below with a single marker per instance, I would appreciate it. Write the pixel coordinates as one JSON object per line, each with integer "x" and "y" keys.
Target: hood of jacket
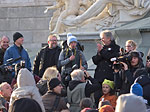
{"x": 73, "y": 84}
{"x": 130, "y": 103}
{"x": 25, "y": 78}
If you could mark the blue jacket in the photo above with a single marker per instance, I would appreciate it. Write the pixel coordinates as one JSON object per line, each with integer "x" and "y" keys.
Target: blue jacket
{"x": 13, "y": 52}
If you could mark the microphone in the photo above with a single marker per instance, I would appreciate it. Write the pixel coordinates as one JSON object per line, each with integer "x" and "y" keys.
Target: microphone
{"x": 73, "y": 51}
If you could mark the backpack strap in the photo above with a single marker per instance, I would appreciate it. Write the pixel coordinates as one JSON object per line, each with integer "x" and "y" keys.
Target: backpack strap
{"x": 55, "y": 105}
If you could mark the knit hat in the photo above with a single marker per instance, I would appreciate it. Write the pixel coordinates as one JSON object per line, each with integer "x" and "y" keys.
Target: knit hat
{"x": 106, "y": 108}
{"x": 53, "y": 83}
{"x": 16, "y": 36}
{"x": 136, "y": 89}
{"x": 108, "y": 82}
{"x": 71, "y": 39}
{"x": 25, "y": 105}
{"x": 69, "y": 34}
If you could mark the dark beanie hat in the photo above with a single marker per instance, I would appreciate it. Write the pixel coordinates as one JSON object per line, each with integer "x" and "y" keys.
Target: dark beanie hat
{"x": 53, "y": 83}
{"x": 16, "y": 36}
{"x": 25, "y": 105}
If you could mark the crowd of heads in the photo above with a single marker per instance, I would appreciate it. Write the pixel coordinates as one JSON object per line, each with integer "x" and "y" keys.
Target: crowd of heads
{"x": 132, "y": 102}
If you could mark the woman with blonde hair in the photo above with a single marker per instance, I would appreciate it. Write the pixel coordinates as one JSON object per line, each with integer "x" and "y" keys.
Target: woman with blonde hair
{"x": 50, "y": 73}
{"x": 130, "y": 45}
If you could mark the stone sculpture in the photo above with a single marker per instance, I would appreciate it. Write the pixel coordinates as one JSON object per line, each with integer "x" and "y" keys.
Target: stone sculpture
{"x": 110, "y": 12}
{"x": 95, "y": 15}
{"x": 72, "y": 8}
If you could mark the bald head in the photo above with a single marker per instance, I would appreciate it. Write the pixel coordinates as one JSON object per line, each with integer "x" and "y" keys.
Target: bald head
{"x": 4, "y": 42}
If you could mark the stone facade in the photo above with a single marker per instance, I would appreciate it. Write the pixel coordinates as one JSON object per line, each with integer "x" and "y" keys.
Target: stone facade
{"x": 27, "y": 17}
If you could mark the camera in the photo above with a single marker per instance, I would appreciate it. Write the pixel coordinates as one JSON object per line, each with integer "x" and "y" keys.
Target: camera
{"x": 126, "y": 59}
{"x": 122, "y": 58}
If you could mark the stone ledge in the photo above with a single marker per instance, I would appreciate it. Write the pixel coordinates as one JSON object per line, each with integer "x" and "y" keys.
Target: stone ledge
{"x": 25, "y": 4}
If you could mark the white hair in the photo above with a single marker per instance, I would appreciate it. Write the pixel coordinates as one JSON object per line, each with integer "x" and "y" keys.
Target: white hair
{"x": 77, "y": 75}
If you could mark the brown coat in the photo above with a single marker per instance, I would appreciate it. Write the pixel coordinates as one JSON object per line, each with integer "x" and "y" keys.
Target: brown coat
{"x": 49, "y": 99}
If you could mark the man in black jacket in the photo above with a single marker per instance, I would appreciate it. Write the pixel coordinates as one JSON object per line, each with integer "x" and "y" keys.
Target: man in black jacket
{"x": 105, "y": 52}
{"x": 47, "y": 57}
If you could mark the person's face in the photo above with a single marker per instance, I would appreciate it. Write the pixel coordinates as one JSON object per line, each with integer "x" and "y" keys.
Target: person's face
{"x": 4, "y": 43}
{"x": 72, "y": 45}
{"x": 6, "y": 91}
{"x": 134, "y": 61}
{"x": 105, "y": 40}
{"x": 19, "y": 41}
{"x": 129, "y": 47}
{"x": 58, "y": 89}
{"x": 105, "y": 89}
{"x": 52, "y": 42}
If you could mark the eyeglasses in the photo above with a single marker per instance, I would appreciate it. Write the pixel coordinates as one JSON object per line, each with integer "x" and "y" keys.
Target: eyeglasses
{"x": 53, "y": 40}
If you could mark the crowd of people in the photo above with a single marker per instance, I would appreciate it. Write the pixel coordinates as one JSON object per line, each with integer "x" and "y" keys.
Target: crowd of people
{"x": 59, "y": 80}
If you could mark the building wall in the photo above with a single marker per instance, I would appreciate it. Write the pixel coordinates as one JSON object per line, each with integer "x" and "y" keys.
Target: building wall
{"x": 27, "y": 17}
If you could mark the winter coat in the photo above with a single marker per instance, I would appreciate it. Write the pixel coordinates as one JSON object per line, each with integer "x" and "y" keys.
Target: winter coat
{"x": 144, "y": 81}
{"x": 49, "y": 100}
{"x": 13, "y": 52}
{"x": 104, "y": 65}
{"x": 78, "y": 90}
{"x": 111, "y": 98}
{"x": 2, "y": 51}
{"x": 40, "y": 61}
{"x": 65, "y": 62}
{"x": 26, "y": 88}
{"x": 124, "y": 79}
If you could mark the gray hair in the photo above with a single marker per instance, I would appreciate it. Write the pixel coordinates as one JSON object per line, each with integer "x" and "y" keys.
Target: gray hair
{"x": 108, "y": 34}
{"x": 77, "y": 75}
{"x": 4, "y": 36}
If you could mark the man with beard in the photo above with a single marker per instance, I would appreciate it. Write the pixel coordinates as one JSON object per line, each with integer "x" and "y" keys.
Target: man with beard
{"x": 105, "y": 52}
{"x": 71, "y": 58}
{"x": 47, "y": 57}
{"x": 4, "y": 44}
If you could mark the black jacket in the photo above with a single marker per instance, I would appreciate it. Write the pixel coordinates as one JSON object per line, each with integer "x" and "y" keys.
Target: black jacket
{"x": 144, "y": 81}
{"x": 104, "y": 65}
{"x": 124, "y": 79}
{"x": 41, "y": 62}
{"x": 1, "y": 56}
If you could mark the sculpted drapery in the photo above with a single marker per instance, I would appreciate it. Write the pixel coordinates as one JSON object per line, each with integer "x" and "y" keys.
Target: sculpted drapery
{"x": 102, "y": 13}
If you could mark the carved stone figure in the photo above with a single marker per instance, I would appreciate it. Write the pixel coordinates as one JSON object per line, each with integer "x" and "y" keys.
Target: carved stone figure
{"x": 69, "y": 9}
{"x": 106, "y": 13}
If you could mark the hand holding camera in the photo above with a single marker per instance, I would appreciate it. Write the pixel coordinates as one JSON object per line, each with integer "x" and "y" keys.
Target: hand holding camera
{"x": 87, "y": 75}
{"x": 125, "y": 66}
